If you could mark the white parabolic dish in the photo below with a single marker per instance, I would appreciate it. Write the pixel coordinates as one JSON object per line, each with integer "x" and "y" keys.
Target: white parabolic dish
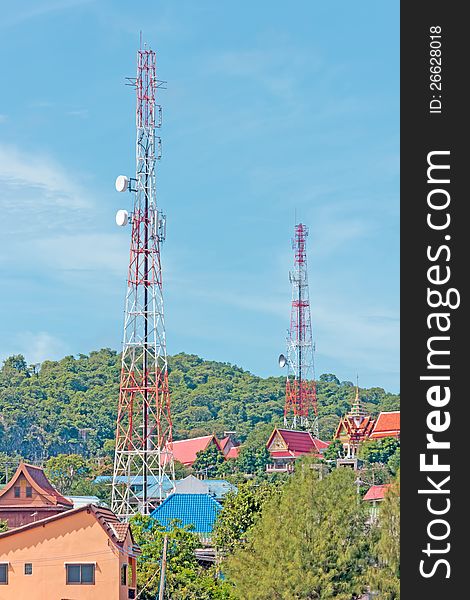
{"x": 122, "y": 183}
{"x": 122, "y": 218}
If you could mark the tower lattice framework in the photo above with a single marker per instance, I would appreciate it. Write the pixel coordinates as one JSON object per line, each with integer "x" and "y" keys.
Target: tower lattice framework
{"x": 143, "y": 454}
{"x": 301, "y": 396}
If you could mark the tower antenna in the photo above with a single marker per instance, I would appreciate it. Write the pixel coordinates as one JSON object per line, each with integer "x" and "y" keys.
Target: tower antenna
{"x": 301, "y": 396}
{"x": 144, "y": 450}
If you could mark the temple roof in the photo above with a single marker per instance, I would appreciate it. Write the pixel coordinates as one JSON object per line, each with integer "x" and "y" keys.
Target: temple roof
{"x": 387, "y": 425}
{"x": 298, "y": 442}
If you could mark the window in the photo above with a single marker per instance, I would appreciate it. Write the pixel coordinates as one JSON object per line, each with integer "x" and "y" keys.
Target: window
{"x": 28, "y": 568}
{"x": 17, "y": 492}
{"x": 3, "y": 573}
{"x": 80, "y": 574}
{"x": 124, "y": 574}
{"x": 29, "y": 492}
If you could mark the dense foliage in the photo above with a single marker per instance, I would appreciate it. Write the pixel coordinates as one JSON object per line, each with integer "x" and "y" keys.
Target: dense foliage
{"x": 385, "y": 574}
{"x": 185, "y": 578}
{"x": 309, "y": 543}
{"x": 69, "y": 406}
{"x": 240, "y": 512}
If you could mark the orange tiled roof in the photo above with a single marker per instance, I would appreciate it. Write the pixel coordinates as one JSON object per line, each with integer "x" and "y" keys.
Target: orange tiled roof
{"x": 387, "y": 425}
{"x": 376, "y": 492}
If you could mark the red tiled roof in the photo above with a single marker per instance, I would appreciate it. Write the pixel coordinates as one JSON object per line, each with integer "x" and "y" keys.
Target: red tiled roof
{"x": 233, "y": 452}
{"x": 223, "y": 441}
{"x": 387, "y": 424}
{"x": 282, "y": 454}
{"x": 320, "y": 444}
{"x": 297, "y": 441}
{"x": 184, "y": 451}
{"x": 376, "y": 492}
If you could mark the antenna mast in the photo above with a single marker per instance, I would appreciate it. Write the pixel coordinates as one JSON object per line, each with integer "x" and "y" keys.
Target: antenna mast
{"x": 143, "y": 454}
{"x": 301, "y": 395}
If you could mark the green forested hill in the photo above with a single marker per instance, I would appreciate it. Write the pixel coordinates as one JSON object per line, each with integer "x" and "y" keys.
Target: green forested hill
{"x": 70, "y": 405}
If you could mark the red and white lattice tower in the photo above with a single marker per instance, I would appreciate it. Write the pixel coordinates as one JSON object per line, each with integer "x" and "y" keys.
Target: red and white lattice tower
{"x": 301, "y": 397}
{"x": 143, "y": 455}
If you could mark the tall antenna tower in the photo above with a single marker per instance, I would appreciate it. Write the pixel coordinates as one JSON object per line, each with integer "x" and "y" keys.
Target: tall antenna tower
{"x": 143, "y": 455}
{"x": 301, "y": 397}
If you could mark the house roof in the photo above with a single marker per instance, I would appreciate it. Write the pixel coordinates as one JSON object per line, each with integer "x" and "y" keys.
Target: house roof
{"x": 116, "y": 530}
{"x": 224, "y": 441}
{"x": 387, "y": 425}
{"x": 299, "y": 442}
{"x": 198, "y": 510}
{"x": 38, "y": 480}
{"x": 233, "y": 452}
{"x": 376, "y": 492}
{"x": 185, "y": 451}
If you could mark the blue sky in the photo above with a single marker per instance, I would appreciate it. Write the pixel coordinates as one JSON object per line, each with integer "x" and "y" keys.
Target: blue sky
{"x": 272, "y": 108}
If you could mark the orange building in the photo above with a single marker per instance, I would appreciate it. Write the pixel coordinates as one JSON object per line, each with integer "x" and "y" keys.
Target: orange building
{"x": 29, "y": 496}
{"x": 80, "y": 554}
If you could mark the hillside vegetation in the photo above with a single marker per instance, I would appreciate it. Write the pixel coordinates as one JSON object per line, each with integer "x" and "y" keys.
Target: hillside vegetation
{"x": 69, "y": 406}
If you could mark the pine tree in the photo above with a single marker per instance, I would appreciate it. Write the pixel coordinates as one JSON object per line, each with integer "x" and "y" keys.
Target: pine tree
{"x": 310, "y": 542}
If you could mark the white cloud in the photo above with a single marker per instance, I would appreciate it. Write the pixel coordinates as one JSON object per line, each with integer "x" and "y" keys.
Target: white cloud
{"x": 40, "y": 346}
{"x": 38, "y": 195}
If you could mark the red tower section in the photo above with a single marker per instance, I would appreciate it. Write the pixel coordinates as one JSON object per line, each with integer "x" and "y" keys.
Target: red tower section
{"x": 301, "y": 398}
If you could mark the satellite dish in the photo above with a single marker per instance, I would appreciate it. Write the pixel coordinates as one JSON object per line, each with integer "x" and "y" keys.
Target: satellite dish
{"x": 122, "y": 218}
{"x": 122, "y": 183}
{"x": 282, "y": 360}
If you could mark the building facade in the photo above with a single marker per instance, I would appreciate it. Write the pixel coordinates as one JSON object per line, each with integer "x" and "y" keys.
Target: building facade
{"x": 80, "y": 554}
{"x": 29, "y": 497}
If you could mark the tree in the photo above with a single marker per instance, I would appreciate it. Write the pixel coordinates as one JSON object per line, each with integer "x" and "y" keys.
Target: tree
{"x": 385, "y": 574}
{"x": 209, "y": 460}
{"x": 394, "y": 462}
{"x": 329, "y": 378}
{"x": 378, "y": 451}
{"x": 65, "y": 471}
{"x": 3, "y": 525}
{"x": 310, "y": 543}
{"x": 335, "y": 450}
{"x": 239, "y": 513}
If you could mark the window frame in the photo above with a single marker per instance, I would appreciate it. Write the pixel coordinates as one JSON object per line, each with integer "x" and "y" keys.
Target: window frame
{"x": 5, "y": 566}
{"x": 81, "y": 565}
{"x": 124, "y": 574}
{"x": 29, "y": 491}
{"x": 17, "y": 491}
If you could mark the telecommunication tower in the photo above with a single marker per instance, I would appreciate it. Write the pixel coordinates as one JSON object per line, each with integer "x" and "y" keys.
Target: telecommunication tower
{"x": 301, "y": 398}
{"x": 144, "y": 452}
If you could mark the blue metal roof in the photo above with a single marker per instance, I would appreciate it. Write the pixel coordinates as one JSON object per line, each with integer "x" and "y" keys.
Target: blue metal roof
{"x": 199, "y": 510}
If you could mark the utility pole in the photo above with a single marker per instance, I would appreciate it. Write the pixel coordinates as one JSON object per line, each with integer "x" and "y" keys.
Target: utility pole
{"x": 161, "y": 590}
